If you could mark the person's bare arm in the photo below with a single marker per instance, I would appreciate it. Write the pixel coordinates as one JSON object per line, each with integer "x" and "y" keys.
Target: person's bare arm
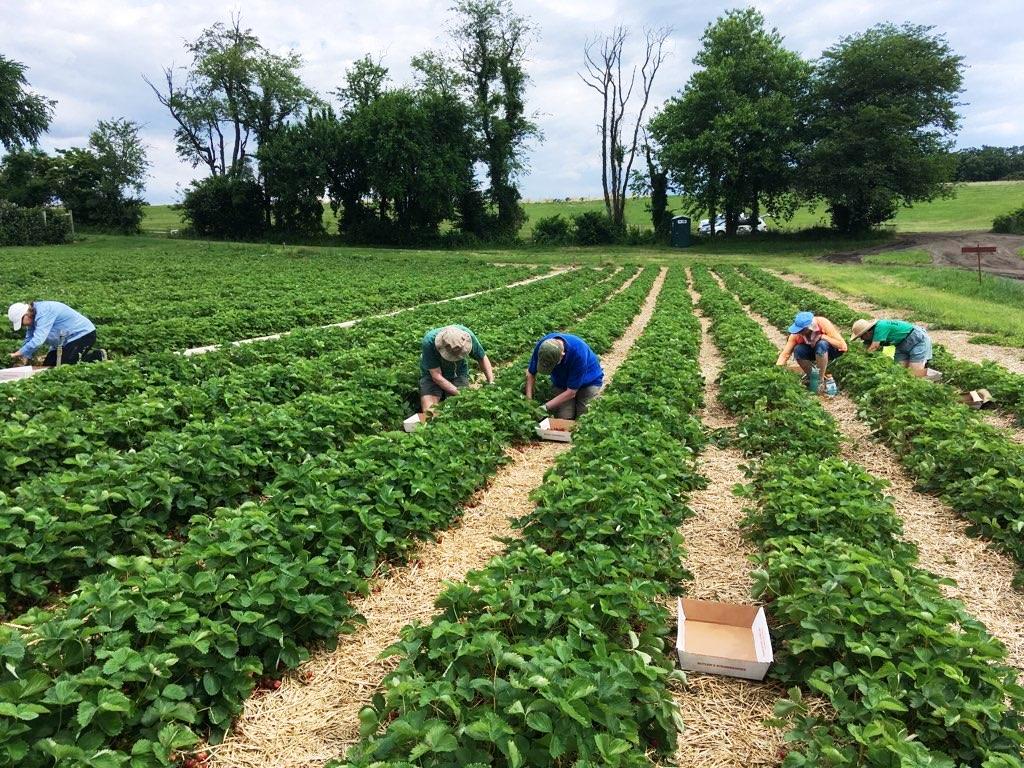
{"x": 874, "y": 346}
{"x": 557, "y": 400}
{"x": 786, "y": 352}
{"x": 530, "y": 379}
{"x": 832, "y": 335}
{"x": 485, "y": 366}
{"x": 442, "y": 382}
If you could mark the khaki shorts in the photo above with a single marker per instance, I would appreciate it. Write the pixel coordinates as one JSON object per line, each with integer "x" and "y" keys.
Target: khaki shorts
{"x": 429, "y": 387}
{"x": 578, "y": 405}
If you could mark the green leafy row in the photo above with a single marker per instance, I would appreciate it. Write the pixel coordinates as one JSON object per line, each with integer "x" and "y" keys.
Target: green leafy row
{"x": 910, "y": 677}
{"x": 32, "y": 444}
{"x": 129, "y": 669}
{"x": 64, "y": 525}
{"x": 948, "y": 450}
{"x": 554, "y": 653}
{"x": 194, "y": 293}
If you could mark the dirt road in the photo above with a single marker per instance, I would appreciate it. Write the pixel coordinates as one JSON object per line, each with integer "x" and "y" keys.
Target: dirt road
{"x": 944, "y": 248}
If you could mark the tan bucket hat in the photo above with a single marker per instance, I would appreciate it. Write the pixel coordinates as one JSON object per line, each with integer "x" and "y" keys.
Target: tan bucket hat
{"x": 453, "y": 343}
{"x": 862, "y": 326}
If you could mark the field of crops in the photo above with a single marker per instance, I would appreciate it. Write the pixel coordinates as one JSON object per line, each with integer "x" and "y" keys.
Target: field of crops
{"x": 190, "y": 545}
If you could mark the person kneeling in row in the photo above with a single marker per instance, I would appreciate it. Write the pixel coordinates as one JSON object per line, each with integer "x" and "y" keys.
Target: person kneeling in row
{"x": 69, "y": 334}
{"x": 912, "y": 342}
{"x": 576, "y": 373}
{"x": 815, "y": 342}
{"x": 443, "y": 367}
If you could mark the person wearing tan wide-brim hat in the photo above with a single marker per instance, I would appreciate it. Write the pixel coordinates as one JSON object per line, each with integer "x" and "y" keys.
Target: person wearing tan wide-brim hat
{"x": 912, "y": 343}
{"x": 443, "y": 367}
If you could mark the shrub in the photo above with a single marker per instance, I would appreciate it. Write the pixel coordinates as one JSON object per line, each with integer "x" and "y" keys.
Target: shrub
{"x": 553, "y": 230}
{"x": 32, "y": 226}
{"x": 225, "y": 206}
{"x": 1010, "y": 223}
{"x": 594, "y": 228}
{"x": 1014, "y": 176}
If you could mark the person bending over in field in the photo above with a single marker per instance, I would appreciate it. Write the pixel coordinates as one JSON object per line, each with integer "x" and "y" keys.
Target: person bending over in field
{"x": 443, "y": 367}
{"x": 69, "y": 334}
{"x": 913, "y": 344}
{"x": 813, "y": 341}
{"x": 576, "y": 373}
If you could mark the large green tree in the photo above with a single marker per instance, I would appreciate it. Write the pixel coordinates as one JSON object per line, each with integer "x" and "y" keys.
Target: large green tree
{"x": 731, "y": 140}
{"x": 27, "y": 178}
{"x": 491, "y": 41}
{"x": 24, "y": 115}
{"x": 884, "y": 111}
{"x": 233, "y": 95}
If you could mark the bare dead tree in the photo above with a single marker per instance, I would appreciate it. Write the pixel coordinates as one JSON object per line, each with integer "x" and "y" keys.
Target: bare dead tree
{"x": 603, "y": 62}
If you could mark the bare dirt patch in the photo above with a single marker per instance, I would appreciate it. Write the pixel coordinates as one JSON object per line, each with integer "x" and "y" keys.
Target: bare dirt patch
{"x": 944, "y": 248}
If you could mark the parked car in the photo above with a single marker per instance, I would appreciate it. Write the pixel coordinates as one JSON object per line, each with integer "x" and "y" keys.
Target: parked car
{"x": 745, "y": 226}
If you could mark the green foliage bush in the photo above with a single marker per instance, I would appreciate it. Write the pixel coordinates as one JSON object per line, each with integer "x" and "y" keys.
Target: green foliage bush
{"x": 553, "y": 230}
{"x": 594, "y": 228}
{"x": 229, "y": 206}
{"x": 1010, "y": 223}
{"x": 32, "y": 226}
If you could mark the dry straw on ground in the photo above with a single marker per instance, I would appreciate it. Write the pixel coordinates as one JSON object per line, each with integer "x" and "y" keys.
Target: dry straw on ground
{"x": 313, "y": 716}
{"x": 724, "y": 717}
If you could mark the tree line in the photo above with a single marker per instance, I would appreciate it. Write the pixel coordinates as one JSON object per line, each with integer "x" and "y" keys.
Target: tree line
{"x": 756, "y": 129}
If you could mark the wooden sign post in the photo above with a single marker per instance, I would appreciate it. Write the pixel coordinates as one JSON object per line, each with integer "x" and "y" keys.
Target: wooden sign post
{"x": 978, "y": 249}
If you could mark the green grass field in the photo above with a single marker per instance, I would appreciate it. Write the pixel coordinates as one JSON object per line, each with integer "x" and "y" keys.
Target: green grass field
{"x": 973, "y": 207}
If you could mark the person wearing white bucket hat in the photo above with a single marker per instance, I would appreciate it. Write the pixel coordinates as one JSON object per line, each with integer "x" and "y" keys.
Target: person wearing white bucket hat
{"x": 443, "y": 367}
{"x": 912, "y": 343}
{"x": 70, "y": 335}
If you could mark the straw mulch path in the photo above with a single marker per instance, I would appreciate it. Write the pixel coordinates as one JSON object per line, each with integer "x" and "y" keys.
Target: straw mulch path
{"x": 958, "y": 343}
{"x": 724, "y": 717}
{"x": 313, "y": 716}
{"x": 1005, "y": 422}
{"x": 983, "y": 575}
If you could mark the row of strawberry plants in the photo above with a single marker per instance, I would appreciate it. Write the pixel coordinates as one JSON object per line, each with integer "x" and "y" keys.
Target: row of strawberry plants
{"x": 554, "y": 653}
{"x": 31, "y": 445}
{"x": 1007, "y": 387}
{"x": 64, "y": 525}
{"x": 129, "y": 669}
{"x": 172, "y": 307}
{"x": 911, "y": 678}
{"x": 948, "y": 450}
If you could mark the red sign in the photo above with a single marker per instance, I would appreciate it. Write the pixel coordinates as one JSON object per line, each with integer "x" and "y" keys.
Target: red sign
{"x": 978, "y": 249}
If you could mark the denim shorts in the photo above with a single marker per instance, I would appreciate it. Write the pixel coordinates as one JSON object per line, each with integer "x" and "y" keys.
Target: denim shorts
{"x": 428, "y": 387}
{"x": 807, "y": 352}
{"x": 916, "y": 348}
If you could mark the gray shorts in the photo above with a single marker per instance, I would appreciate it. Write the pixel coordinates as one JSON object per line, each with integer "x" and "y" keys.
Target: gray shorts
{"x": 578, "y": 405}
{"x": 916, "y": 348}
{"x": 428, "y": 387}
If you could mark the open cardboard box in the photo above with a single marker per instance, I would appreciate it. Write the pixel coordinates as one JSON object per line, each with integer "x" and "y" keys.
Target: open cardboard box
{"x": 413, "y": 422}
{"x": 978, "y": 398}
{"x": 723, "y": 639}
{"x": 559, "y": 430}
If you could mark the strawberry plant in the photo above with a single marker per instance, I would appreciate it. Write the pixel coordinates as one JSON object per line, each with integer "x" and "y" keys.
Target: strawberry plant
{"x": 911, "y": 678}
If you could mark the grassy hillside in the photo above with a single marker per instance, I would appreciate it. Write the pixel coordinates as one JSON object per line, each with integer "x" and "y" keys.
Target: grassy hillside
{"x": 973, "y": 207}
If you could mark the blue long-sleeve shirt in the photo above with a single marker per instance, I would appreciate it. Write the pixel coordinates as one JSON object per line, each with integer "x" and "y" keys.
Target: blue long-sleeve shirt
{"x": 52, "y": 319}
{"x": 578, "y": 369}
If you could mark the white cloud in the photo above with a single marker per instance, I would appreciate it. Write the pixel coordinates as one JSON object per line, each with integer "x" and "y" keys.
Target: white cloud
{"x": 91, "y": 55}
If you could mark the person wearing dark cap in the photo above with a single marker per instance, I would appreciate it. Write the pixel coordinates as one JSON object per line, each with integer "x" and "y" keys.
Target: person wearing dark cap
{"x": 575, "y": 370}
{"x": 443, "y": 367}
{"x": 813, "y": 341}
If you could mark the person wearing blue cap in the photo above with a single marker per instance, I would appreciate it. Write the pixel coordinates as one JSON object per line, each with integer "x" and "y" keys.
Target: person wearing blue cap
{"x": 813, "y": 340}
{"x": 575, "y": 370}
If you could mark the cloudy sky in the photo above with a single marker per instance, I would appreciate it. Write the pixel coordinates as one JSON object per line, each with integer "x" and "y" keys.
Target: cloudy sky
{"x": 91, "y": 55}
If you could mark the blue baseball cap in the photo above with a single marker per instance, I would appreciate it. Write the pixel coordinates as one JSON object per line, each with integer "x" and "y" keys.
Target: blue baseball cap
{"x": 801, "y": 321}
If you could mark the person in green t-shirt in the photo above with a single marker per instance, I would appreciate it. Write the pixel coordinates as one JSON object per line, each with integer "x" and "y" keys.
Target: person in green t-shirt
{"x": 443, "y": 367}
{"x": 912, "y": 343}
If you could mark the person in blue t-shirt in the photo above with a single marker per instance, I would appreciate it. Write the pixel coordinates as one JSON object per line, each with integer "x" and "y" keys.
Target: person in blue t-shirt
{"x": 66, "y": 332}
{"x": 575, "y": 370}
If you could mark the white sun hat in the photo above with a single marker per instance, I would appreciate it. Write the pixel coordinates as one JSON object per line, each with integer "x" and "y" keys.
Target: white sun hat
{"x": 16, "y": 312}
